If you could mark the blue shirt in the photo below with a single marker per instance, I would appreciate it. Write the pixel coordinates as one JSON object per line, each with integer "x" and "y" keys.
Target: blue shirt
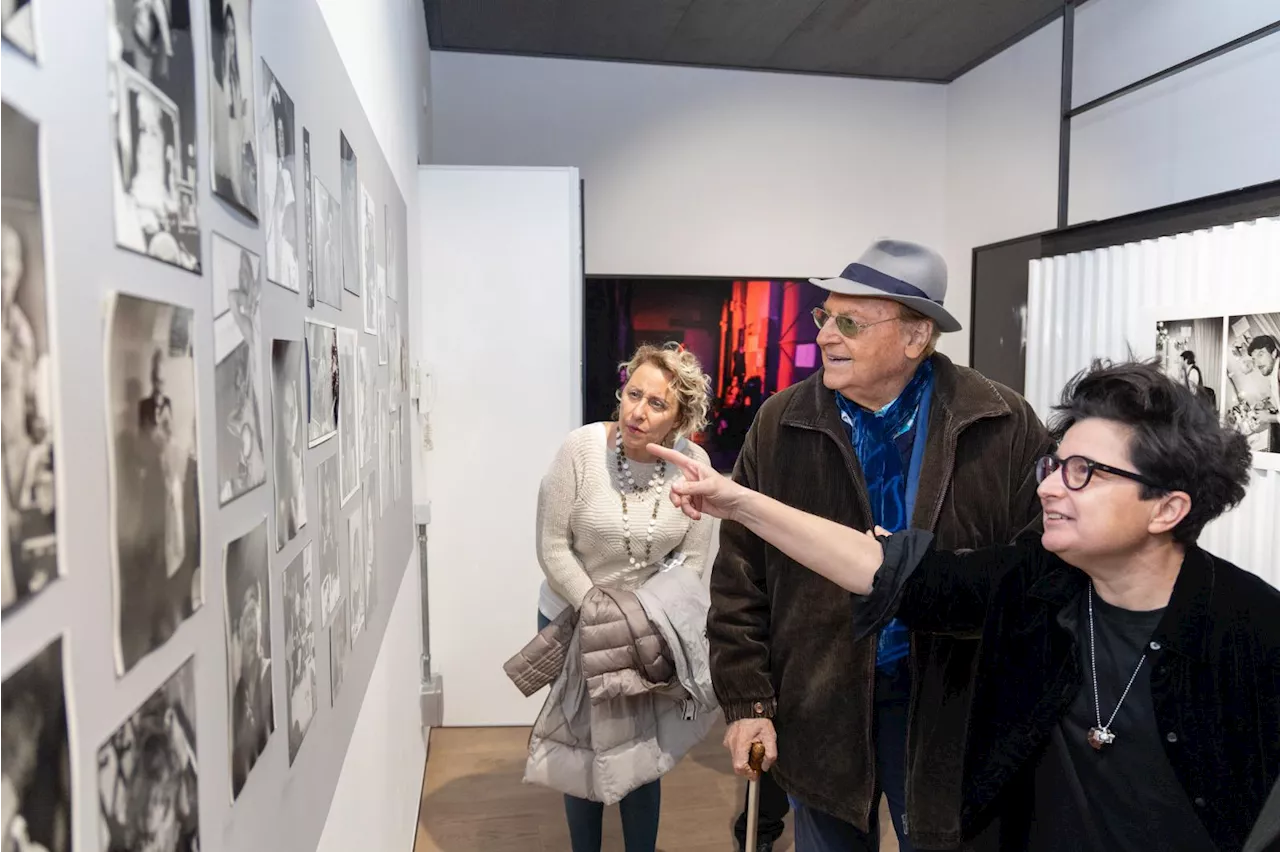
{"x": 889, "y": 444}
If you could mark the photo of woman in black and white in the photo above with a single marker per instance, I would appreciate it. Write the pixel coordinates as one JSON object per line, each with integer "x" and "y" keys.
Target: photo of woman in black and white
{"x": 235, "y": 151}
{"x": 152, "y": 102}
{"x": 31, "y": 558}
{"x": 281, "y": 207}
{"x": 248, "y": 651}
{"x": 237, "y": 294}
{"x": 148, "y": 775}
{"x": 36, "y": 771}
{"x": 287, "y": 406}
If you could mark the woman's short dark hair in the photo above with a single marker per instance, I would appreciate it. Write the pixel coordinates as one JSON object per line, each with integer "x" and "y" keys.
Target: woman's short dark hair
{"x": 1178, "y": 439}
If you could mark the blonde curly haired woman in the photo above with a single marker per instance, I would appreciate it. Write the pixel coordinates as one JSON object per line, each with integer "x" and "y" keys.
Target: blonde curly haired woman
{"x": 604, "y": 519}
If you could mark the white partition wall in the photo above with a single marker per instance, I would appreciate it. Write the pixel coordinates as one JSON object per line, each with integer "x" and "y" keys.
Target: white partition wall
{"x": 502, "y": 337}
{"x": 1106, "y": 303}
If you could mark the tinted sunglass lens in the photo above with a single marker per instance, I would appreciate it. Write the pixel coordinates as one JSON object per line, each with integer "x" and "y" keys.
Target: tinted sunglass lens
{"x": 847, "y": 326}
{"x": 820, "y": 317}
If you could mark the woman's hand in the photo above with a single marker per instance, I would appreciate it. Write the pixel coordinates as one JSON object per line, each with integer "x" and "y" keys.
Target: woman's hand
{"x": 702, "y": 490}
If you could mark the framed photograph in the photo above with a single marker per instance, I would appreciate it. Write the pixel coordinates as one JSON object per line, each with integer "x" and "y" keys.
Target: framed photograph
{"x": 30, "y": 497}
{"x": 300, "y": 649}
{"x": 330, "y": 579}
{"x": 36, "y": 769}
{"x": 154, "y": 469}
{"x": 248, "y": 632}
{"x": 348, "y": 422}
{"x": 152, "y": 96}
{"x": 233, "y": 144}
{"x": 322, "y": 381}
{"x": 350, "y": 217}
{"x": 148, "y": 775}
{"x": 279, "y": 196}
{"x": 237, "y": 324}
{"x": 1253, "y": 383}
{"x": 288, "y": 405}
{"x": 328, "y": 217}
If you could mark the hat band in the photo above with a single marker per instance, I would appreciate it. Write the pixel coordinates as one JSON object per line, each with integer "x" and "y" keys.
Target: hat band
{"x": 861, "y": 274}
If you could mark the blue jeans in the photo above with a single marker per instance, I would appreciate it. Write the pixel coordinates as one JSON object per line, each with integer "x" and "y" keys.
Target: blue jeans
{"x": 817, "y": 831}
{"x": 640, "y": 810}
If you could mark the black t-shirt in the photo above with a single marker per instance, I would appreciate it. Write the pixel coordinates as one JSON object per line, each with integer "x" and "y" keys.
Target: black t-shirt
{"x": 1125, "y": 796}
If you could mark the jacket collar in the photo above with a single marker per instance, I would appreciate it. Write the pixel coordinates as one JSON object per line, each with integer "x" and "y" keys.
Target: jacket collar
{"x": 1185, "y": 626}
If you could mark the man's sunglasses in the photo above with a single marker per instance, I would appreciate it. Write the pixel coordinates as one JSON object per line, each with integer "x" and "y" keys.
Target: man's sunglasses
{"x": 1077, "y": 471}
{"x": 847, "y": 326}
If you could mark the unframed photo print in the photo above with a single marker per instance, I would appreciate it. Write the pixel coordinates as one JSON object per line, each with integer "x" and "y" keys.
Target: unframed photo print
{"x": 155, "y": 473}
{"x": 36, "y": 768}
{"x": 339, "y": 648}
{"x": 152, "y": 97}
{"x": 237, "y": 321}
{"x": 1253, "y": 383}
{"x": 350, "y": 216}
{"x": 322, "y": 381}
{"x": 348, "y": 425}
{"x": 393, "y": 349}
{"x": 355, "y": 571}
{"x": 30, "y": 549}
{"x": 368, "y": 253}
{"x": 364, "y": 402}
{"x": 384, "y": 352}
{"x": 248, "y": 635}
{"x": 330, "y": 579}
{"x": 288, "y": 358}
{"x": 300, "y": 649}
{"x": 370, "y": 547}
{"x": 148, "y": 775}
{"x": 328, "y": 247}
{"x": 234, "y": 148}
{"x": 280, "y": 208}
{"x": 384, "y": 434}
{"x": 309, "y": 205}
{"x": 19, "y": 26}
{"x": 1190, "y": 352}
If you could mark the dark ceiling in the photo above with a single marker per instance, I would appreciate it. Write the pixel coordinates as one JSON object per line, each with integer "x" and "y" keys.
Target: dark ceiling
{"x": 935, "y": 40}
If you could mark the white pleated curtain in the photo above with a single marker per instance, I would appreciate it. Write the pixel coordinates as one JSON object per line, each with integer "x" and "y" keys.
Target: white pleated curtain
{"x": 1105, "y": 303}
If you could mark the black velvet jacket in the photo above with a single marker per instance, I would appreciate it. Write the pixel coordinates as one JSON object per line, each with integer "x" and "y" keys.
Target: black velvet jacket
{"x": 782, "y": 642}
{"x": 1215, "y": 683}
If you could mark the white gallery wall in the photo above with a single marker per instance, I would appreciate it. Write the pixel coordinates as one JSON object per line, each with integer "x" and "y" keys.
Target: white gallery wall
{"x": 693, "y": 171}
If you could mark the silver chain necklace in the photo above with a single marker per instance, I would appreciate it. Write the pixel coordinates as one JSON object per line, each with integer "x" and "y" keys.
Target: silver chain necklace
{"x": 1101, "y": 735}
{"x": 627, "y": 480}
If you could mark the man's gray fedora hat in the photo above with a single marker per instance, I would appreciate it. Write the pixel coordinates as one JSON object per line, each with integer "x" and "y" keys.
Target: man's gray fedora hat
{"x": 900, "y": 271}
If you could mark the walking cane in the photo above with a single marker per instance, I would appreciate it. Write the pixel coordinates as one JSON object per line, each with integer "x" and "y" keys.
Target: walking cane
{"x": 754, "y": 759}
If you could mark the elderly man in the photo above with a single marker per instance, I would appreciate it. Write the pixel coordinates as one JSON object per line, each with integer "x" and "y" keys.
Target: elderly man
{"x": 888, "y": 434}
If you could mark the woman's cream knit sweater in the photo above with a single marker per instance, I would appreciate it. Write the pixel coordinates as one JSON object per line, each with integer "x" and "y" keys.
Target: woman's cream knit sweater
{"x": 581, "y": 542}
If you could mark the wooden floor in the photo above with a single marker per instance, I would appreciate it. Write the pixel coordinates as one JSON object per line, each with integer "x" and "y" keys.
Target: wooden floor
{"x": 473, "y": 800}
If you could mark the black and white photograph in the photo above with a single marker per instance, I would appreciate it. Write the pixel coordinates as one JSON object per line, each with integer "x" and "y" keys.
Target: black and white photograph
{"x": 148, "y": 775}
{"x": 279, "y": 195}
{"x": 300, "y": 649}
{"x": 380, "y": 417}
{"x": 380, "y": 281}
{"x": 36, "y": 766}
{"x": 330, "y": 579}
{"x": 30, "y": 548}
{"x": 393, "y": 349}
{"x": 237, "y": 321}
{"x": 155, "y": 473}
{"x": 393, "y": 240}
{"x": 233, "y": 144}
{"x": 1253, "y": 383}
{"x": 397, "y": 439}
{"x": 287, "y": 407}
{"x": 322, "y": 381}
{"x": 248, "y": 629}
{"x": 152, "y": 96}
{"x": 328, "y": 246}
{"x": 364, "y": 403}
{"x": 350, "y": 216}
{"x": 339, "y": 648}
{"x": 369, "y": 256}
{"x": 348, "y": 422}
{"x": 17, "y": 21}
{"x": 308, "y": 201}
{"x": 355, "y": 570}
{"x": 1190, "y": 352}
{"x": 370, "y": 546}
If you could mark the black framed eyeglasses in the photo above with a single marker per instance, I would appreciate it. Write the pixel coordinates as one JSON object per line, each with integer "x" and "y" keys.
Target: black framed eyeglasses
{"x": 847, "y": 326}
{"x": 1077, "y": 471}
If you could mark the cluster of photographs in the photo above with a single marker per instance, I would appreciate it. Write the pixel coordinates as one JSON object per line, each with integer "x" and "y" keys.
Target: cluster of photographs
{"x": 1233, "y": 363}
{"x": 272, "y": 419}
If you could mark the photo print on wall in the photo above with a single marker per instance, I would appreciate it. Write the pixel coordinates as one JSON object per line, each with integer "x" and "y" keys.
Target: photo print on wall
{"x": 1190, "y": 352}
{"x": 18, "y": 24}
{"x": 287, "y": 407}
{"x": 328, "y": 247}
{"x": 300, "y": 649}
{"x": 36, "y": 768}
{"x": 322, "y": 381}
{"x": 355, "y": 571}
{"x": 237, "y": 322}
{"x": 370, "y": 546}
{"x": 364, "y": 402}
{"x": 330, "y": 579}
{"x": 309, "y": 202}
{"x": 30, "y": 550}
{"x": 152, "y": 96}
{"x": 234, "y": 147}
{"x": 350, "y": 216}
{"x": 148, "y": 776}
{"x": 1253, "y": 381}
{"x": 280, "y": 199}
{"x": 248, "y": 635}
{"x": 348, "y": 435}
{"x": 339, "y": 647}
{"x": 384, "y": 352}
{"x": 154, "y": 473}
{"x": 368, "y": 253}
